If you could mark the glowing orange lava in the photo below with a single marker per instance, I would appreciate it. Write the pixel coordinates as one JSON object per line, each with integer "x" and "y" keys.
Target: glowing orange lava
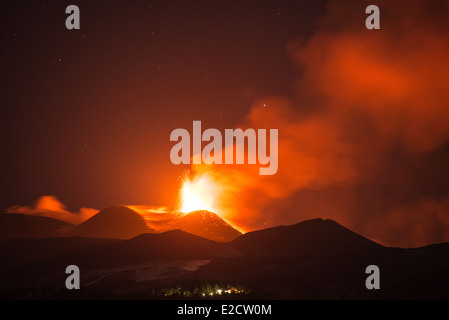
{"x": 198, "y": 193}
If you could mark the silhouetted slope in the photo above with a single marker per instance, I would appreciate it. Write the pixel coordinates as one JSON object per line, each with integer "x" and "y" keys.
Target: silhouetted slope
{"x": 24, "y": 250}
{"x": 315, "y": 236}
{"x": 114, "y": 222}
{"x": 314, "y": 259}
{"x": 207, "y": 225}
{"x": 15, "y": 225}
{"x": 419, "y": 273}
{"x": 175, "y": 244}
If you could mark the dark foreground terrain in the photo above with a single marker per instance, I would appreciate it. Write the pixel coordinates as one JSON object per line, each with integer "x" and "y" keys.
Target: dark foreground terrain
{"x": 314, "y": 259}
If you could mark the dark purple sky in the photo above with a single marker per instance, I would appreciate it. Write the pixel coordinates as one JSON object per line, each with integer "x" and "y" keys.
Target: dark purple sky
{"x": 86, "y": 115}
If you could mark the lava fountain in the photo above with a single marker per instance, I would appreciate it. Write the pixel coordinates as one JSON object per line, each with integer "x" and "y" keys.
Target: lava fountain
{"x": 199, "y": 193}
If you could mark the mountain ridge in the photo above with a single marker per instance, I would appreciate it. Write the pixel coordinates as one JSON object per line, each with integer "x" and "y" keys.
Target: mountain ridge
{"x": 308, "y": 236}
{"x": 113, "y": 222}
{"x": 279, "y": 262}
{"x": 18, "y": 225}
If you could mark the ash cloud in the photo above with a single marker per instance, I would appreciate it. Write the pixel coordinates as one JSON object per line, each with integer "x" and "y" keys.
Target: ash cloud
{"x": 361, "y": 96}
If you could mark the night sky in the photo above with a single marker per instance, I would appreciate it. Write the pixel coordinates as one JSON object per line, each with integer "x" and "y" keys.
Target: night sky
{"x": 86, "y": 115}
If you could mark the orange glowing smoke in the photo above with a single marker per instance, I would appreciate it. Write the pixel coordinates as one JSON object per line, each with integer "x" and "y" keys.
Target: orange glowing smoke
{"x": 50, "y": 206}
{"x": 361, "y": 94}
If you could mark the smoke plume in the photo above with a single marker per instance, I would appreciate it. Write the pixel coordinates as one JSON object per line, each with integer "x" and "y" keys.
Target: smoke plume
{"x": 360, "y": 94}
{"x": 50, "y": 206}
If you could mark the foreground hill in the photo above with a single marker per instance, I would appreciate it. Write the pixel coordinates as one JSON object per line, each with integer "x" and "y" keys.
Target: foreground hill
{"x": 15, "y": 225}
{"x": 315, "y": 236}
{"x": 314, "y": 259}
{"x": 144, "y": 252}
{"x": 19, "y": 251}
{"x": 170, "y": 245}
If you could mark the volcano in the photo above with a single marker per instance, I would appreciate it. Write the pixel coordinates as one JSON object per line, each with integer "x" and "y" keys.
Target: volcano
{"x": 114, "y": 222}
{"x": 208, "y": 225}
